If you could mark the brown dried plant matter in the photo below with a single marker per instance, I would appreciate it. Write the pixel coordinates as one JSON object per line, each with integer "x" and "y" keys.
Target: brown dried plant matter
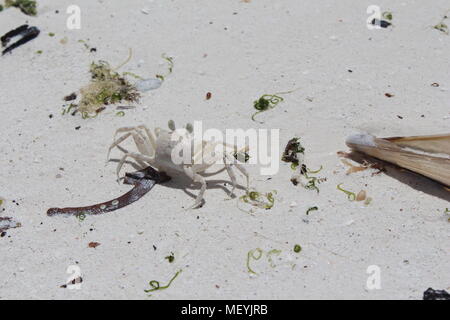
{"x": 106, "y": 87}
{"x": 364, "y": 166}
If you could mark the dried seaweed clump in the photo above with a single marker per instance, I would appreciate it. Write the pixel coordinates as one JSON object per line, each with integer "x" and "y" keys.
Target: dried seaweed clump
{"x": 294, "y": 154}
{"x": 29, "y": 7}
{"x": 106, "y": 87}
{"x": 291, "y": 152}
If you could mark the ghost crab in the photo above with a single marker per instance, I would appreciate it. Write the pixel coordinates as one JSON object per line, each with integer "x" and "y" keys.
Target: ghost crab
{"x": 156, "y": 149}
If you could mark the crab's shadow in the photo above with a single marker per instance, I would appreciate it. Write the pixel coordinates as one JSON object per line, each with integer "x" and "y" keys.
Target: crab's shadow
{"x": 185, "y": 184}
{"x": 188, "y": 186}
{"x": 412, "y": 179}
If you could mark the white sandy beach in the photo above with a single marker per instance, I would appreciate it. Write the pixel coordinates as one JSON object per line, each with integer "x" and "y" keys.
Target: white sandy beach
{"x": 238, "y": 51}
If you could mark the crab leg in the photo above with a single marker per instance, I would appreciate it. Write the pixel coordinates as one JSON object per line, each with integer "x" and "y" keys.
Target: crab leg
{"x": 241, "y": 169}
{"x": 196, "y": 178}
{"x": 116, "y": 143}
{"x": 136, "y": 156}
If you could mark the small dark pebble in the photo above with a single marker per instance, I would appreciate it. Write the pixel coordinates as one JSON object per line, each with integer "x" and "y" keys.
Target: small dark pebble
{"x": 93, "y": 244}
{"x": 3, "y": 234}
{"x": 381, "y": 23}
{"x": 431, "y": 294}
{"x": 77, "y": 128}
{"x": 50, "y": 116}
{"x": 400, "y": 117}
{"x": 389, "y": 95}
{"x": 208, "y": 96}
{"x": 93, "y": 50}
{"x": 74, "y": 281}
{"x": 70, "y": 97}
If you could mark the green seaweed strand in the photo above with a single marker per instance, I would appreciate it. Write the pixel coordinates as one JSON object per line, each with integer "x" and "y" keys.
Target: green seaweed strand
{"x": 311, "y": 185}
{"x": 271, "y": 200}
{"x": 316, "y": 171}
{"x": 71, "y": 106}
{"x": 256, "y": 198}
{"x": 86, "y": 115}
{"x": 156, "y": 286}
{"x": 130, "y": 55}
{"x": 171, "y": 64}
{"x": 251, "y": 255}
{"x": 351, "y": 196}
{"x": 266, "y": 102}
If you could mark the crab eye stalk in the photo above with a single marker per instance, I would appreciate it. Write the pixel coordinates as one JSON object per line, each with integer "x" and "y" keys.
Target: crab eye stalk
{"x": 171, "y": 125}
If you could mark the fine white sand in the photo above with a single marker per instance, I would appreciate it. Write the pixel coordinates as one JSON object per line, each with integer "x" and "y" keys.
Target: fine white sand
{"x": 237, "y": 51}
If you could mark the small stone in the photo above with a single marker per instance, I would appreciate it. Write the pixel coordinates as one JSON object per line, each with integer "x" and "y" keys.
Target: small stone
{"x": 349, "y": 222}
{"x": 93, "y": 244}
{"x": 361, "y": 196}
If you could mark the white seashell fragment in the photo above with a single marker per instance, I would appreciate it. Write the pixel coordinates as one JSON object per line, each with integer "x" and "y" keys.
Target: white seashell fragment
{"x": 364, "y": 139}
{"x": 148, "y": 84}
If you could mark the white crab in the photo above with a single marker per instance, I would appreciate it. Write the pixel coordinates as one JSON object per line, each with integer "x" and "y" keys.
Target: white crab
{"x": 155, "y": 149}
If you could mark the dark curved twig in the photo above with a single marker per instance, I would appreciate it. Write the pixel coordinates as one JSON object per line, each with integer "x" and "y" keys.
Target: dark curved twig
{"x": 143, "y": 181}
{"x": 25, "y": 32}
